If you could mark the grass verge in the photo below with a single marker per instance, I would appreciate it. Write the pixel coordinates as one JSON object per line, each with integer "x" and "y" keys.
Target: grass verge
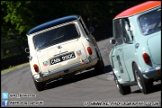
{"x": 13, "y": 68}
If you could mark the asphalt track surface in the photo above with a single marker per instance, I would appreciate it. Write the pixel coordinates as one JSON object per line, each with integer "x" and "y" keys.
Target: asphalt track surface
{"x": 88, "y": 89}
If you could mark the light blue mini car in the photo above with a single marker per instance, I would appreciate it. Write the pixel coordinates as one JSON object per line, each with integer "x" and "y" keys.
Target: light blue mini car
{"x": 135, "y": 56}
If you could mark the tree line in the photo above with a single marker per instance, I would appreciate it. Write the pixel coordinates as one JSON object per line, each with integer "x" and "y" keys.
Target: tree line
{"x": 18, "y": 17}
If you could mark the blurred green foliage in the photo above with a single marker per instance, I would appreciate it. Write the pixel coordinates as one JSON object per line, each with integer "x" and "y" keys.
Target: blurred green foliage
{"x": 18, "y": 17}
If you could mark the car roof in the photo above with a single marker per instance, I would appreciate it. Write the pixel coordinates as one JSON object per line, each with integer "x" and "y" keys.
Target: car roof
{"x": 53, "y": 23}
{"x": 138, "y": 9}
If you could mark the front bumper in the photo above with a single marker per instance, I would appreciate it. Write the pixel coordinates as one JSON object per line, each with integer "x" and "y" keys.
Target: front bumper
{"x": 63, "y": 71}
{"x": 152, "y": 73}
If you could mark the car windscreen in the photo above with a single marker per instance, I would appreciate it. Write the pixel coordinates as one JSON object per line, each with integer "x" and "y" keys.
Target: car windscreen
{"x": 150, "y": 22}
{"x": 55, "y": 36}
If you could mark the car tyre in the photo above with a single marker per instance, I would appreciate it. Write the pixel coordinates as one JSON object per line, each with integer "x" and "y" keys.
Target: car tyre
{"x": 145, "y": 85}
{"x": 39, "y": 85}
{"x": 122, "y": 89}
{"x": 99, "y": 67}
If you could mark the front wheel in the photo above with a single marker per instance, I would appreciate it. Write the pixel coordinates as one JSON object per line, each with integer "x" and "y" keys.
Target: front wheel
{"x": 122, "y": 89}
{"x": 145, "y": 85}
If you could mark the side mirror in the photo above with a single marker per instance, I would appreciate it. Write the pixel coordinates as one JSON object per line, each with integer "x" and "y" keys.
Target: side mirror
{"x": 113, "y": 41}
{"x": 91, "y": 30}
{"x": 27, "y": 50}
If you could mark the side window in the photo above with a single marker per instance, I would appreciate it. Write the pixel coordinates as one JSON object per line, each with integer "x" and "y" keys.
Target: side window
{"x": 150, "y": 22}
{"x": 126, "y": 31}
{"x": 118, "y": 31}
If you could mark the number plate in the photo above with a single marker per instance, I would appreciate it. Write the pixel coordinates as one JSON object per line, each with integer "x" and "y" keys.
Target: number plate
{"x": 62, "y": 58}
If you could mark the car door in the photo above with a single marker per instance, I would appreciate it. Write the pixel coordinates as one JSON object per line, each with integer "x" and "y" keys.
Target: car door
{"x": 119, "y": 63}
{"x": 128, "y": 47}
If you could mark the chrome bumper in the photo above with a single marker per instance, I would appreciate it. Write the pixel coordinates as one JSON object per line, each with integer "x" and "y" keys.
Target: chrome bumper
{"x": 152, "y": 72}
{"x": 39, "y": 77}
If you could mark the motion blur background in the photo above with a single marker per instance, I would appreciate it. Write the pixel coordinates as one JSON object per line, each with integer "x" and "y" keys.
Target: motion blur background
{"x": 18, "y": 17}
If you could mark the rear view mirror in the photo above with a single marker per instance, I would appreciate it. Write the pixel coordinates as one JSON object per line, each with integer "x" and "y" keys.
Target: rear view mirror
{"x": 113, "y": 41}
{"x": 91, "y": 29}
{"x": 27, "y": 50}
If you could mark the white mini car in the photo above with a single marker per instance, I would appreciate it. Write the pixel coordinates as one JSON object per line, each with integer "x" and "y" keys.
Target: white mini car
{"x": 60, "y": 47}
